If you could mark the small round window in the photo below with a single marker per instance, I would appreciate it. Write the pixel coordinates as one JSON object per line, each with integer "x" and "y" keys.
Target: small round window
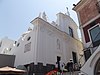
{"x": 28, "y": 38}
{"x": 18, "y": 44}
{"x": 10, "y": 49}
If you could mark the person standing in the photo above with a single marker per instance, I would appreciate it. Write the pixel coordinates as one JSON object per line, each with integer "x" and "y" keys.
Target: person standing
{"x": 70, "y": 65}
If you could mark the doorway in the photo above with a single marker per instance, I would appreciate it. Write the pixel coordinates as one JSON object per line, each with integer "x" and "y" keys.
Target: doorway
{"x": 74, "y": 57}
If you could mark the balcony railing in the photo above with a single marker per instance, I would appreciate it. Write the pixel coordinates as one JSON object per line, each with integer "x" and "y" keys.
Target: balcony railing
{"x": 98, "y": 6}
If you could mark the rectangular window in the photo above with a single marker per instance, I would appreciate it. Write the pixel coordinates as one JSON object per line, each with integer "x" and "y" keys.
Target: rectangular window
{"x": 95, "y": 35}
{"x": 27, "y": 47}
{"x": 71, "y": 32}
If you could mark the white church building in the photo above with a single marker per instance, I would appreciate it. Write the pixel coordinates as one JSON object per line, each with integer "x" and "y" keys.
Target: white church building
{"x": 6, "y": 45}
{"x": 42, "y": 46}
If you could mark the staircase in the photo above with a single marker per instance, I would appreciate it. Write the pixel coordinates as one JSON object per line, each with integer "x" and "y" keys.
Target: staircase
{"x": 74, "y": 73}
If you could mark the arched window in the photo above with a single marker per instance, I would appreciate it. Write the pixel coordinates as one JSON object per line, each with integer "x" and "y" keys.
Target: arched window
{"x": 28, "y": 38}
{"x": 18, "y": 44}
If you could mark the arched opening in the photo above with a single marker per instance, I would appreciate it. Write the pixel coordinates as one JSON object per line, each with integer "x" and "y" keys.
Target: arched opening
{"x": 97, "y": 68}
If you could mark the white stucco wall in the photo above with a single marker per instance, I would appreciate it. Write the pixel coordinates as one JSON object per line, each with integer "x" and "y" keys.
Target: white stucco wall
{"x": 44, "y": 45}
{"x": 47, "y": 47}
{"x": 47, "y": 51}
{"x": 22, "y": 57}
{"x": 64, "y": 22}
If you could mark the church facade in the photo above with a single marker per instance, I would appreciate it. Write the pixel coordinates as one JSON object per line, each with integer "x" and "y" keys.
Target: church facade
{"x": 41, "y": 47}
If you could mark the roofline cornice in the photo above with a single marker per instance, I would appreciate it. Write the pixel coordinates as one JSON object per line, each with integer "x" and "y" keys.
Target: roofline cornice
{"x": 80, "y": 4}
{"x": 64, "y": 34}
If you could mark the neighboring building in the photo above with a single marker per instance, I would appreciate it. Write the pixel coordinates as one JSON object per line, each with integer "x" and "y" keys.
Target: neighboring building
{"x": 88, "y": 12}
{"x": 40, "y": 48}
{"x": 6, "y": 59}
{"x": 6, "y": 45}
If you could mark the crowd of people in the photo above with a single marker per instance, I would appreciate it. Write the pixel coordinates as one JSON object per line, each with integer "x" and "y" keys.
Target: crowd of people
{"x": 70, "y": 66}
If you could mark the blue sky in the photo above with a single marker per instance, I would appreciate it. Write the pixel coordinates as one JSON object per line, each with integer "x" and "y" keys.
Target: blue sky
{"x": 16, "y": 15}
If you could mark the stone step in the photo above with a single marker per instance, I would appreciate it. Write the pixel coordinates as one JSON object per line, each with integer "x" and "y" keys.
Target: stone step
{"x": 73, "y": 73}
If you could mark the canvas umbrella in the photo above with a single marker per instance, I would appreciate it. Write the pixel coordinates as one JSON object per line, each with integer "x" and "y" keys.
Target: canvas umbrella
{"x": 10, "y": 70}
